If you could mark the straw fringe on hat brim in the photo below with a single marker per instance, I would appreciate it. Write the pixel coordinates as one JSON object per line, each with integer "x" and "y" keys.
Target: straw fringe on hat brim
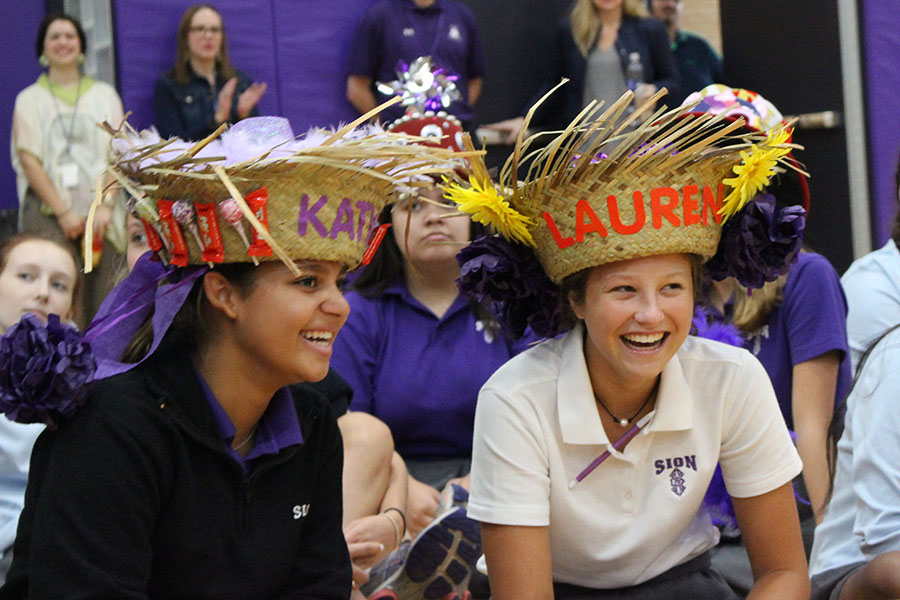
{"x": 669, "y": 149}
{"x": 355, "y": 177}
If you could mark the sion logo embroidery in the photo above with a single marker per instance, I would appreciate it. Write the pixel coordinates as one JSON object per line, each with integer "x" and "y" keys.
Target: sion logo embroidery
{"x": 301, "y": 510}
{"x": 675, "y": 465}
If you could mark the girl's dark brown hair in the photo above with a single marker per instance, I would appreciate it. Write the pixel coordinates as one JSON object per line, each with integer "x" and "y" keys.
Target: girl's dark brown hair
{"x": 182, "y": 68}
{"x": 7, "y": 246}
{"x": 191, "y": 325}
{"x": 388, "y": 266}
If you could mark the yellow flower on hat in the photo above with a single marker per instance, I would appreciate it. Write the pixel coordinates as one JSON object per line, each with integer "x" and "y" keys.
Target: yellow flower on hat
{"x": 488, "y": 207}
{"x": 753, "y": 174}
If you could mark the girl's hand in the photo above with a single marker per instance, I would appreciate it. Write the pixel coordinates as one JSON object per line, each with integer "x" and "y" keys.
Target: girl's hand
{"x": 249, "y": 98}
{"x": 421, "y": 505}
{"x": 376, "y": 529}
{"x": 509, "y": 129}
{"x": 643, "y": 92}
{"x": 72, "y": 224}
{"x": 101, "y": 220}
{"x": 223, "y": 104}
{"x": 360, "y": 552}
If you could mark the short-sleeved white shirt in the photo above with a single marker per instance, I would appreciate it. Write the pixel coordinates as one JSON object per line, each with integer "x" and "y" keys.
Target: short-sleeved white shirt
{"x": 638, "y": 514}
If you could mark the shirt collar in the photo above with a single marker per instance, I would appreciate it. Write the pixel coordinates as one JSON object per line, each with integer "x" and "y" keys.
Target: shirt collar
{"x": 278, "y": 428}
{"x": 579, "y": 419}
{"x": 69, "y": 95}
{"x": 398, "y": 288}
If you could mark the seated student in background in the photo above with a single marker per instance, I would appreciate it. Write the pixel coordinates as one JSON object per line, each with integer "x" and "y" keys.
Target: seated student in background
{"x": 872, "y": 286}
{"x": 38, "y": 276}
{"x": 794, "y": 325}
{"x": 593, "y": 452}
{"x": 415, "y": 351}
{"x": 203, "y": 89}
{"x": 856, "y": 553}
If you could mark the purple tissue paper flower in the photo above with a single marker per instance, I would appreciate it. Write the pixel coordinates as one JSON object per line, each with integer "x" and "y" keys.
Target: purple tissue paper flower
{"x": 44, "y": 371}
{"x": 509, "y": 280}
{"x": 717, "y": 502}
{"x": 759, "y": 243}
{"x": 707, "y": 326}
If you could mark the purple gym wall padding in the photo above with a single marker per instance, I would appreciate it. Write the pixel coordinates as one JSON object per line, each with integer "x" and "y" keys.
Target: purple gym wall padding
{"x": 298, "y": 48}
{"x": 881, "y": 43}
{"x": 18, "y": 29}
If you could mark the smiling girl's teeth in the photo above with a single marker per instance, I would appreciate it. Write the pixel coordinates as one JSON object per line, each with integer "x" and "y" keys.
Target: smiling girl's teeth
{"x": 320, "y": 337}
{"x": 644, "y": 339}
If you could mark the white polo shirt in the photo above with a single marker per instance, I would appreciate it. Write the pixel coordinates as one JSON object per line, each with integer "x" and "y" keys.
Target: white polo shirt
{"x": 637, "y": 515}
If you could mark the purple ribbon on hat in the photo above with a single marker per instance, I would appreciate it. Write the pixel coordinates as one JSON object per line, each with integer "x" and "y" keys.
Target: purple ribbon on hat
{"x": 126, "y": 307}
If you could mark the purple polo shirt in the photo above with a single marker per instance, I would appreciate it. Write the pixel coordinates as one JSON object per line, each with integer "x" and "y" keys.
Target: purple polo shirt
{"x": 278, "y": 428}
{"x": 417, "y": 373}
{"x": 810, "y": 321}
{"x": 396, "y": 30}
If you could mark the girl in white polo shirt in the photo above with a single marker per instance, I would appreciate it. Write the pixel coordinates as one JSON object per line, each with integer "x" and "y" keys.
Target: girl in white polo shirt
{"x": 593, "y": 451}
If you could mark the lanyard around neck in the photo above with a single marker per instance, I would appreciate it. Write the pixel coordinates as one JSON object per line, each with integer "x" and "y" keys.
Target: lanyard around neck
{"x": 59, "y": 111}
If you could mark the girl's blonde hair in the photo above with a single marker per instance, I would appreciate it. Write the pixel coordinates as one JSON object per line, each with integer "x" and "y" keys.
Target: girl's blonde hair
{"x": 752, "y": 311}
{"x": 585, "y": 21}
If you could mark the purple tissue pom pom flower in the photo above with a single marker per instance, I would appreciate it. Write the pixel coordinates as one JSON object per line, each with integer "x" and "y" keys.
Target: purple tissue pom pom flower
{"x": 759, "y": 243}
{"x": 717, "y": 502}
{"x": 509, "y": 280}
{"x": 707, "y": 326}
{"x": 44, "y": 371}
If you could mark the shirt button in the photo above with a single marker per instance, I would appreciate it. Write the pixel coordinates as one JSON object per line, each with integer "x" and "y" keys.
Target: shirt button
{"x": 628, "y": 495}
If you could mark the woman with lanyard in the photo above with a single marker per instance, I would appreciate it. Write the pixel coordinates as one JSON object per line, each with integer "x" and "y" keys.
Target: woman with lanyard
{"x": 58, "y": 152}
{"x": 192, "y": 467}
{"x": 593, "y": 451}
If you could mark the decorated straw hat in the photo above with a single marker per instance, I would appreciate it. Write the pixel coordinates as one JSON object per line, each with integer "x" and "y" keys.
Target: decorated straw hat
{"x": 255, "y": 193}
{"x": 615, "y": 186}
